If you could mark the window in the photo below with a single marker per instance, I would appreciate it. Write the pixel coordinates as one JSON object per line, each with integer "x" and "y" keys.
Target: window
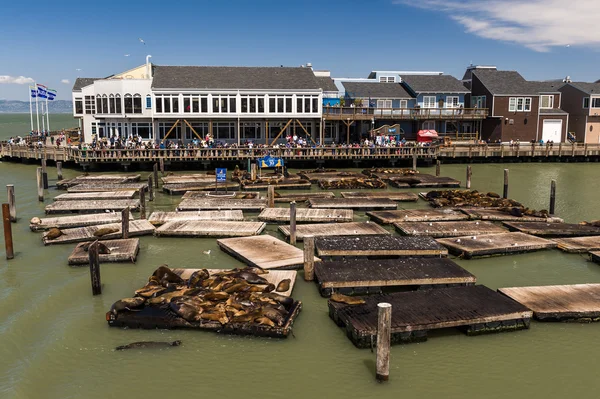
{"x": 387, "y": 79}
{"x": 586, "y": 102}
{"x": 452, "y": 102}
{"x": 175, "y": 104}
{"x": 142, "y": 129}
{"x": 250, "y": 131}
{"x": 596, "y": 102}
{"x": 519, "y": 104}
{"x": 403, "y": 103}
{"x": 384, "y": 103}
{"x": 224, "y": 130}
{"x": 429, "y": 125}
{"x": 137, "y": 104}
{"x": 79, "y": 106}
{"x": 111, "y": 103}
{"x": 187, "y": 106}
{"x": 90, "y": 108}
{"x": 158, "y": 101}
{"x": 118, "y": 103}
{"x": 547, "y": 101}
{"x": 128, "y": 104}
{"x": 148, "y": 102}
{"x": 527, "y": 104}
{"x": 429, "y": 102}
{"x": 479, "y": 102}
{"x": 99, "y": 103}
{"x": 451, "y": 127}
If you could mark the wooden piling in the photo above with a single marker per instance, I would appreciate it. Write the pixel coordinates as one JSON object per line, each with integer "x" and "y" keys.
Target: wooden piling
{"x": 94, "y": 258}
{"x": 293, "y": 223}
{"x": 253, "y": 172}
{"x": 150, "y": 189}
{"x": 469, "y": 173}
{"x": 155, "y": 171}
{"x": 309, "y": 258}
{"x": 125, "y": 223}
{"x": 8, "y": 241}
{"x": 162, "y": 166}
{"x": 437, "y": 167}
{"x": 271, "y": 197}
{"x": 414, "y": 167}
{"x": 44, "y": 174}
{"x": 384, "y": 320}
{"x": 10, "y": 188}
{"x": 142, "y": 204}
{"x": 59, "y": 172}
{"x": 40, "y": 185}
{"x": 505, "y": 192}
{"x": 552, "y": 196}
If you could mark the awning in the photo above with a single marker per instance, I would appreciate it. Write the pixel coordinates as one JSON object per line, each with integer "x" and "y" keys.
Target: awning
{"x": 428, "y": 133}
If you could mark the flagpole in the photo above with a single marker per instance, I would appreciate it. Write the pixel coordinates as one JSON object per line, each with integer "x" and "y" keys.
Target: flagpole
{"x": 47, "y": 116}
{"x": 37, "y": 111}
{"x": 31, "y": 109}
{"x": 43, "y": 122}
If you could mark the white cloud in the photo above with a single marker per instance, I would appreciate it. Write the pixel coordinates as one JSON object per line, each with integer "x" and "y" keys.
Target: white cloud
{"x": 65, "y": 81}
{"x": 19, "y": 80}
{"x": 536, "y": 24}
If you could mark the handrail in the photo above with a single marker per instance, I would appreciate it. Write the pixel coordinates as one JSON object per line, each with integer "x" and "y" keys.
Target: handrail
{"x": 431, "y": 113}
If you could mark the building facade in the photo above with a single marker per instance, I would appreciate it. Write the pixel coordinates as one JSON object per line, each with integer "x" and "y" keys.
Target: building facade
{"x": 582, "y": 101}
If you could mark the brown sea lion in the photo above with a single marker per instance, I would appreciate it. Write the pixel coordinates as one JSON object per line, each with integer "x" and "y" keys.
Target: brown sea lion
{"x": 284, "y": 300}
{"x": 348, "y": 300}
{"x": 101, "y": 232}
{"x": 185, "y": 310}
{"x": 273, "y": 315}
{"x": 284, "y": 285}
{"x": 251, "y": 278}
{"x": 493, "y": 195}
{"x": 166, "y": 275}
{"x": 215, "y": 316}
{"x": 53, "y": 234}
{"x": 150, "y": 291}
{"x": 148, "y": 344}
{"x": 127, "y": 304}
{"x": 269, "y": 288}
{"x": 264, "y": 321}
{"x": 102, "y": 248}
{"x": 197, "y": 277}
{"x": 216, "y": 296}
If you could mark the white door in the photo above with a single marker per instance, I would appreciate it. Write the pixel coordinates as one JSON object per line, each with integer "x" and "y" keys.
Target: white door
{"x": 552, "y": 130}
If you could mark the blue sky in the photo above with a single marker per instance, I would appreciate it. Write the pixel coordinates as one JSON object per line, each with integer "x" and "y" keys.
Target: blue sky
{"x": 48, "y": 41}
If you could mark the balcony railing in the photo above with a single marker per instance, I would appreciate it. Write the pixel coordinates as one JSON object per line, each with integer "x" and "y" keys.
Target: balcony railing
{"x": 341, "y": 113}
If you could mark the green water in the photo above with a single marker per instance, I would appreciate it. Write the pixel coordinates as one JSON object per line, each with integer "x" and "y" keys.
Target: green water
{"x": 20, "y": 124}
{"x": 55, "y": 342}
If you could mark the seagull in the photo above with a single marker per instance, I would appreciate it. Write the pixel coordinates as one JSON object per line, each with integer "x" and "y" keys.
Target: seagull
{"x": 78, "y": 69}
{"x": 127, "y": 55}
{"x": 206, "y": 252}
{"x": 568, "y": 45}
{"x": 141, "y": 40}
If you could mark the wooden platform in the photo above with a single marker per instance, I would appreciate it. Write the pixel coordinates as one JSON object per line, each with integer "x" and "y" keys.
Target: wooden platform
{"x": 82, "y": 234}
{"x": 475, "y": 309}
{"x": 307, "y": 215}
{"x": 578, "y": 244}
{"x": 101, "y": 195}
{"x": 543, "y": 229}
{"x": 157, "y": 218}
{"x": 352, "y": 203}
{"x": 495, "y": 244}
{"x": 448, "y": 229}
{"x": 188, "y": 178}
{"x": 579, "y": 302}
{"x": 401, "y": 196}
{"x": 222, "y": 194}
{"x": 284, "y": 184}
{"x": 207, "y": 204}
{"x": 90, "y": 188}
{"x": 378, "y": 246}
{"x": 120, "y": 251}
{"x": 352, "y": 276}
{"x": 264, "y": 251}
{"x": 65, "y": 222}
{"x": 595, "y": 256}
{"x": 423, "y": 180}
{"x": 182, "y": 188}
{"x": 497, "y": 215}
{"x": 210, "y": 228}
{"x": 417, "y": 215}
{"x": 92, "y": 206}
{"x": 335, "y": 229}
{"x": 97, "y": 179}
{"x": 301, "y": 197}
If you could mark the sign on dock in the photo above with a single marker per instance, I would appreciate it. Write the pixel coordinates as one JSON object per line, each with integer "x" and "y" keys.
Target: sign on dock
{"x": 221, "y": 174}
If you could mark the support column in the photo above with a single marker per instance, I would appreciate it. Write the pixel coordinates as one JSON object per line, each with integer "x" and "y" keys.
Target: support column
{"x": 384, "y": 321}
{"x": 10, "y": 188}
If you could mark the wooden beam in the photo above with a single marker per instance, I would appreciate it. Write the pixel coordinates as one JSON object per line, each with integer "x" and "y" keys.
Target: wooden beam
{"x": 196, "y": 133}
{"x": 266, "y": 131}
{"x": 306, "y": 131}
{"x": 170, "y": 130}
{"x": 281, "y": 132}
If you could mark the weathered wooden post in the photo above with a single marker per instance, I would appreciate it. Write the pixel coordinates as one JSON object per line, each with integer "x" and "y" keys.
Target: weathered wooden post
{"x": 293, "y": 223}
{"x": 94, "y": 258}
{"x": 10, "y": 188}
{"x": 142, "y": 203}
{"x": 155, "y": 170}
{"x": 437, "y": 167}
{"x": 253, "y": 172}
{"x": 59, "y": 170}
{"x": 150, "y": 189}
{"x": 44, "y": 174}
{"x": 271, "y": 197}
{"x": 505, "y": 193}
{"x": 414, "y": 158}
{"x": 384, "y": 321}
{"x": 8, "y": 241}
{"x": 162, "y": 166}
{"x": 125, "y": 223}
{"x": 249, "y": 166}
{"x": 552, "y": 196}
{"x": 469, "y": 173}
{"x": 309, "y": 258}
{"x": 40, "y": 185}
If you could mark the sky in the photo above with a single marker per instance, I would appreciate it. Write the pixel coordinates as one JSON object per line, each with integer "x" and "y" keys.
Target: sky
{"x": 54, "y": 42}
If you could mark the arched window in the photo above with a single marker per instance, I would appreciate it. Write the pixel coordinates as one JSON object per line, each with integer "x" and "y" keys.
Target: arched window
{"x": 111, "y": 103}
{"x": 148, "y": 101}
{"x": 128, "y": 104}
{"x": 118, "y": 103}
{"x": 137, "y": 104}
{"x": 98, "y": 104}
{"x": 104, "y": 104}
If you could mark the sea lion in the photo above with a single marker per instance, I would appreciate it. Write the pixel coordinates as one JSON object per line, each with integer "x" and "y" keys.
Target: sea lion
{"x": 185, "y": 310}
{"x": 216, "y": 296}
{"x": 53, "y": 234}
{"x": 269, "y": 288}
{"x": 35, "y": 221}
{"x": 215, "y": 316}
{"x": 127, "y": 304}
{"x": 273, "y": 315}
{"x": 150, "y": 290}
{"x": 197, "y": 277}
{"x": 251, "y": 278}
{"x": 166, "y": 275}
{"x": 148, "y": 344}
{"x": 102, "y": 248}
{"x": 256, "y": 270}
{"x": 101, "y": 232}
{"x": 284, "y": 300}
{"x": 493, "y": 195}
{"x": 348, "y": 300}
{"x": 264, "y": 321}
{"x": 284, "y": 285}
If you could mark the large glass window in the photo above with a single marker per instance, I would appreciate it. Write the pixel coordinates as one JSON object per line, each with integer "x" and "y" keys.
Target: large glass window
{"x": 111, "y": 104}
{"x": 175, "y": 104}
{"x": 519, "y": 104}
{"x": 99, "y": 103}
{"x": 90, "y": 108}
{"x": 128, "y": 104}
{"x": 142, "y": 129}
{"x": 547, "y": 101}
{"x": 158, "y": 101}
{"x": 79, "y": 106}
{"x": 250, "y": 131}
{"x": 187, "y": 105}
{"x": 452, "y": 101}
{"x": 224, "y": 130}
{"x": 429, "y": 102}
{"x": 596, "y": 102}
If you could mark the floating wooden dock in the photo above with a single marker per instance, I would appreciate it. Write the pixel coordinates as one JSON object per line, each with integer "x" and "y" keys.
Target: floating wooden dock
{"x": 543, "y": 229}
{"x": 182, "y": 188}
{"x": 400, "y": 196}
{"x": 474, "y": 309}
{"x": 207, "y": 204}
{"x": 417, "y": 215}
{"x": 82, "y": 234}
{"x": 335, "y": 229}
{"x": 65, "y": 222}
{"x": 301, "y": 197}
{"x": 378, "y": 246}
{"x": 283, "y": 184}
{"x": 120, "y": 251}
{"x": 352, "y": 203}
{"x": 424, "y": 180}
{"x": 580, "y": 302}
{"x": 90, "y": 188}
{"x": 500, "y": 216}
{"x": 97, "y": 179}
{"x": 222, "y": 194}
{"x": 448, "y": 229}
{"x": 264, "y": 251}
{"x": 307, "y": 215}
{"x": 495, "y": 244}
{"x": 595, "y": 256}
{"x": 315, "y": 177}
{"x": 92, "y": 206}
{"x": 578, "y": 244}
{"x": 101, "y": 195}
{"x": 370, "y": 275}
{"x": 157, "y": 218}
{"x": 190, "y": 178}
{"x": 210, "y": 228}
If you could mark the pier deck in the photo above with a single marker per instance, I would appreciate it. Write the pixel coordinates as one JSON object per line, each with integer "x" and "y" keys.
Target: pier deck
{"x": 222, "y": 194}
{"x": 90, "y": 188}
{"x": 65, "y": 222}
{"x": 301, "y": 197}
{"x": 189, "y": 178}
{"x": 356, "y": 275}
{"x": 475, "y": 309}
{"x": 92, "y": 206}
{"x": 495, "y": 244}
{"x": 543, "y": 229}
{"x": 209, "y": 228}
{"x": 264, "y": 251}
{"x": 120, "y": 251}
{"x": 400, "y": 196}
{"x": 595, "y": 256}
{"x": 378, "y": 246}
{"x": 157, "y": 218}
{"x": 207, "y": 204}
{"x": 182, "y": 188}
{"x": 448, "y": 229}
{"x": 335, "y": 229}
{"x": 352, "y": 203}
{"x": 500, "y": 216}
{"x": 579, "y": 302}
{"x": 82, "y": 234}
{"x": 417, "y": 215}
{"x": 315, "y": 177}
{"x": 578, "y": 244}
{"x": 424, "y": 180}
{"x": 283, "y": 184}
{"x": 307, "y": 215}
{"x": 94, "y": 196}
{"x": 97, "y": 179}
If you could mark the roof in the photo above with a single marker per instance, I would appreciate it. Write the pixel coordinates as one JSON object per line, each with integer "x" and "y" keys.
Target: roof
{"x": 434, "y": 84}
{"x": 375, "y": 89}
{"x": 512, "y": 83}
{"x": 220, "y": 77}
{"x": 589, "y": 88}
{"x": 470, "y": 69}
{"x": 80, "y": 83}
{"x": 552, "y": 111}
{"x": 326, "y": 83}
{"x": 547, "y": 86}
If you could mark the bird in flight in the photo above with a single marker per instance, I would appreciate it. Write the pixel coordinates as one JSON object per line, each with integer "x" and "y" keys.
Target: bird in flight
{"x": 127, "y": 55}
{"x": 141, "y": 40}
{"x": 78, "y": 69}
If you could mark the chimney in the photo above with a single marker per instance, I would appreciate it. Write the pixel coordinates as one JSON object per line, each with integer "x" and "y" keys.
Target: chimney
{"x": 148, "y": 67}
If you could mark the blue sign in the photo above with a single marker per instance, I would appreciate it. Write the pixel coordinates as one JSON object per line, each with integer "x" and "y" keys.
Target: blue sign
{"x": 392, "y": 130}
{"x": 221, "y": 175}
{"x": 270, "y": 162}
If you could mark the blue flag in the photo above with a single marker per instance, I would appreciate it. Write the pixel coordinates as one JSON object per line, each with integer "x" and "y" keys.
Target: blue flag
{"x": 51, "y": 95}
{"x": 41, "y": 92}
{"x": 33, "y": 93}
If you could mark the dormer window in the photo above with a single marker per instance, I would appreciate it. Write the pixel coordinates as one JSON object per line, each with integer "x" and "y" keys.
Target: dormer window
{"x": 547, "y": 101}
{"x": 387, "y": 79}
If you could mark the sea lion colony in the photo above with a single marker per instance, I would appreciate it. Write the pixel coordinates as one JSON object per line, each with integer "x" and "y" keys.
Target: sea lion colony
{"x": 351, "y": 183}
{"x": 404, "y": 172}
{"x": 228, "y": 297}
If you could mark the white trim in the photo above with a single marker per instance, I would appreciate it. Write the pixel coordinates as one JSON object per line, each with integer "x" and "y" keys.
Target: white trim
{"x": 589, "y": 102}
{"x": 551, "y": 96}
{"x": 425, "y": 105}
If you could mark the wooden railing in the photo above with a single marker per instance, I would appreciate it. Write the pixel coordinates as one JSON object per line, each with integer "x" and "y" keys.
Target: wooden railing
{"x": 559, "y": 150}
{"x": 353, "y": 113}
